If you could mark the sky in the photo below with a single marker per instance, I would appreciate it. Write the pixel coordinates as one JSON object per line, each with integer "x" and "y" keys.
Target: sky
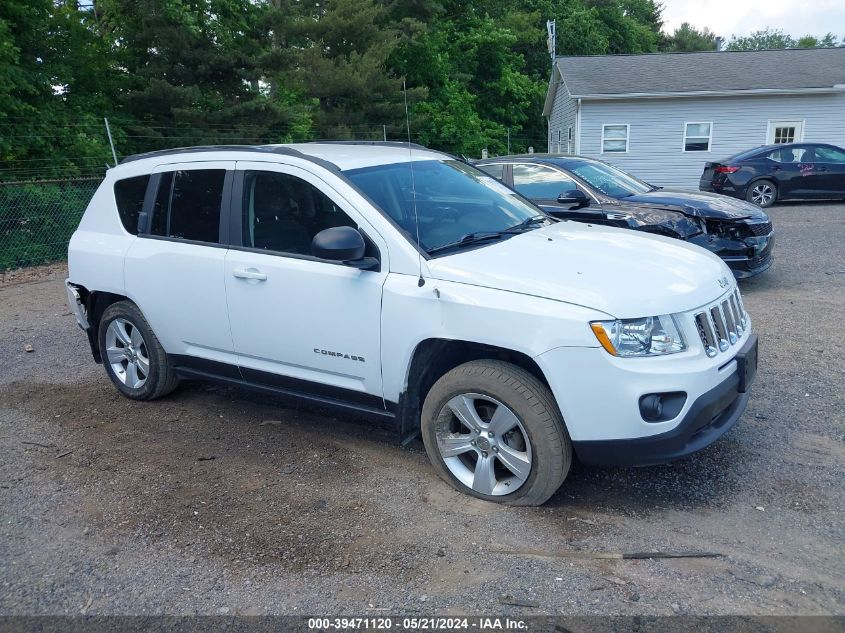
{"x": 741, "y": 17}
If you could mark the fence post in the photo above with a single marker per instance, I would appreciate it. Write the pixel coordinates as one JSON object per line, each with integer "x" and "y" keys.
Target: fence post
{"x": 111, "y": 142}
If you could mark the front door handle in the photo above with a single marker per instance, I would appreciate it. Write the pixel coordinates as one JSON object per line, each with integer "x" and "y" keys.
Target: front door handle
{"x": 249, "y": 273}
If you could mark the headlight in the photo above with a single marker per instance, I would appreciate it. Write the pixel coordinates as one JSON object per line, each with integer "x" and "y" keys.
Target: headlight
{"x": 665, "y": 221}
{"x": 649, "y": 336}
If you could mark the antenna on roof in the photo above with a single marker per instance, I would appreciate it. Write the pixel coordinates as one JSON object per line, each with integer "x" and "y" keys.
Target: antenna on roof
{"x": 421, "y": 281}
{"x": 551, "y": 38}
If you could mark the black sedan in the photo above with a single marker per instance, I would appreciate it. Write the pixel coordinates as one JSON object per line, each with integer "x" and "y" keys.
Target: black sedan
{"x": 764, "y": 175}
{"x": 588, "y": 190}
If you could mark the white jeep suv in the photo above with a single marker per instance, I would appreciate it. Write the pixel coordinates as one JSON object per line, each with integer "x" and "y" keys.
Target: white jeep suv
{"x": 403, "y": 283}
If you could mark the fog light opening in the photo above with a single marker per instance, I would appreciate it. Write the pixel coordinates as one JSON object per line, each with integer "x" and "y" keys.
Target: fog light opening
{"x": 662, "y": 407}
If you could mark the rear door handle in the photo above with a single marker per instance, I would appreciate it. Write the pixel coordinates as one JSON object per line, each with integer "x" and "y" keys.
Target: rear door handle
{"x": 249, "y": 273}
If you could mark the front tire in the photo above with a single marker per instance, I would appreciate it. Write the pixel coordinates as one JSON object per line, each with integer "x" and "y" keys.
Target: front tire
{"x": 493, "y": 431}
{"x": 133, "y": 357}
{"x": 763, "y": 193}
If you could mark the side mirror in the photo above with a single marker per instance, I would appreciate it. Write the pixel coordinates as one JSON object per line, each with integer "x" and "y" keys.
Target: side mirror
{"x": 342, "y": 244}
{"x": 574, "y": 196}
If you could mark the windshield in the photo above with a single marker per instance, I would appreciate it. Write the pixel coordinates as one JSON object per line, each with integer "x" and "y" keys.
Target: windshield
{"x": 609, "y": 180}
{"x": 453, "y": 200}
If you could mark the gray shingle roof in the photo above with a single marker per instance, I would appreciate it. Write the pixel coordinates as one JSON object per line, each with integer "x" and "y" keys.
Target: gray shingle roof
{"x": 724, "y": 71}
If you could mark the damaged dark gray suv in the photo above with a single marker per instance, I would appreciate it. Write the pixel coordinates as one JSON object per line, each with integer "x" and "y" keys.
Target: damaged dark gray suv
{"x": 587, "y": 190}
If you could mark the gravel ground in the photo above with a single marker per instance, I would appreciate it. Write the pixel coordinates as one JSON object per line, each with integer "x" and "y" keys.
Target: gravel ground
{"x": 216, "y": 500}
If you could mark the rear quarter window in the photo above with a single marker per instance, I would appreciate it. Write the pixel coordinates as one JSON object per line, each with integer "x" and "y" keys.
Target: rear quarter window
{"x": 129, "y": 197}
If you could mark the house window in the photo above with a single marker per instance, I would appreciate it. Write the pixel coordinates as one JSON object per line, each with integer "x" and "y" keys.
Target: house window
{"x": 785, "y": 132}
{"x": 697, "y": 137}
{"x": 614, "y": 138}
{"x": 569, "y": 140}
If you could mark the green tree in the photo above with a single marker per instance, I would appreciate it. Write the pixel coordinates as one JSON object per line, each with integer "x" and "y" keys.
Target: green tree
{"x": 811, "y": 41}
{"x": 776, "y": 38}
{"x": 686, "y": 38}
{"x": 192, "y": 72}
{"x": 53, "y": 72}
{"x": 760, "y": 40}
{"x": 345, "y": 68}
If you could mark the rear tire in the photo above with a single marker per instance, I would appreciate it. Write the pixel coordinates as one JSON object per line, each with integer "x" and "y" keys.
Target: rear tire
{"x": 133, "y": 357}
{"x": 490, "y": 427}
{"x": 763, "y": 193}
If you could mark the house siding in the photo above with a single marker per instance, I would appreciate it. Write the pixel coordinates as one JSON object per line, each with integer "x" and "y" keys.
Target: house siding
{"x": 561, "y": 119}
{"x": 655, "y": 146}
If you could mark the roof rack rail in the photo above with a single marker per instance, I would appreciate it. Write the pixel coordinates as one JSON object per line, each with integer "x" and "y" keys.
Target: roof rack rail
{"x": 271, "y": 149}
{"x": 377, "y": 143}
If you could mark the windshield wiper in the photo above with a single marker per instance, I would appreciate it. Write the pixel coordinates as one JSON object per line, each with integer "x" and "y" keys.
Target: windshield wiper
{"x": 527, "y": 223}
{"x": 469, "y": 238}
{"x": 483, "y": 236}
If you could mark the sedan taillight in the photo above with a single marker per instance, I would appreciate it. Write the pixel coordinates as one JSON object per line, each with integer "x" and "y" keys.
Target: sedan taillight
{"x": 725, "y": 169}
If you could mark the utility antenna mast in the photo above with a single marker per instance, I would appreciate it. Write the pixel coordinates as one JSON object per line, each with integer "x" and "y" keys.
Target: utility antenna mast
{"x": 552, "y": 33}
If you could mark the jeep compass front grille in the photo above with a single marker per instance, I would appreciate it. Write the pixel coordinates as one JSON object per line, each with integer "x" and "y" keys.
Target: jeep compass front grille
{"x": 721, "y": 325}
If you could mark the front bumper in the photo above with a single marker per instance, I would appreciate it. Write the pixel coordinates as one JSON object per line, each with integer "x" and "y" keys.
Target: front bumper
{"x": 711, "y": 416}
{"x": 599, "y": 396}
{"x": 762, "y": 259}
{"x": 745, "y": 257}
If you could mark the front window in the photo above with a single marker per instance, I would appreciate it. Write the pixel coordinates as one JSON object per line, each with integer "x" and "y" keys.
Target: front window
{"x": 697, "y": 137}
{"x": 609, "y": 180}
{"x": 614, "y": 138}
{"x": 830, "y": 155}
{"x": 442, "y": 201}
{"x": 283, "y": 213}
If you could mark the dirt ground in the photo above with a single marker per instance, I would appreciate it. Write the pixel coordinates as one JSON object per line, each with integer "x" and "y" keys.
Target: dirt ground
{"x": 215, "y": 500}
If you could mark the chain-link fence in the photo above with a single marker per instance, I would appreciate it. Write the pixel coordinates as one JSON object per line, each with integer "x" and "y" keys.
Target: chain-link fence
{"x": 38, "y": 218}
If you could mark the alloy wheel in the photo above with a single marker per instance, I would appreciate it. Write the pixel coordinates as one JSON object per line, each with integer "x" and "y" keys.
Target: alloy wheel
{"x": 483, "y": 444}
{"x": 127, "y": 353}
{"x": 762, "y": 194}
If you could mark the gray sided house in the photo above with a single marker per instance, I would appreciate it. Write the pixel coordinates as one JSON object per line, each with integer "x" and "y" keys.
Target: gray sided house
{"x": 662, "y": 116}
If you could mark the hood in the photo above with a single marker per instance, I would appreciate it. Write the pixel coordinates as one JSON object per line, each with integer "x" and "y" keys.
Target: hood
{"x": 620, "y": 272}
{"x": 700, "y": 203}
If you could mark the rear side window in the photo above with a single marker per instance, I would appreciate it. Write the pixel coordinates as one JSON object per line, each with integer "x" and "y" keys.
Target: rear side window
{"x": 792, "y": 155}
{"x": 129, "y": 196}
{"x": 187, "y": 205}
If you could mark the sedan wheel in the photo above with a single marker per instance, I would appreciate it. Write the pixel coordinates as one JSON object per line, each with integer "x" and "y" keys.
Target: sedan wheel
{"x": 762, "y": 193}
{"x": 483, "y": 444}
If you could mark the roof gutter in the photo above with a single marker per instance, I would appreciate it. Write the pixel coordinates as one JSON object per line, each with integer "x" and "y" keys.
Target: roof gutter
{"x": 713, "y": 93}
